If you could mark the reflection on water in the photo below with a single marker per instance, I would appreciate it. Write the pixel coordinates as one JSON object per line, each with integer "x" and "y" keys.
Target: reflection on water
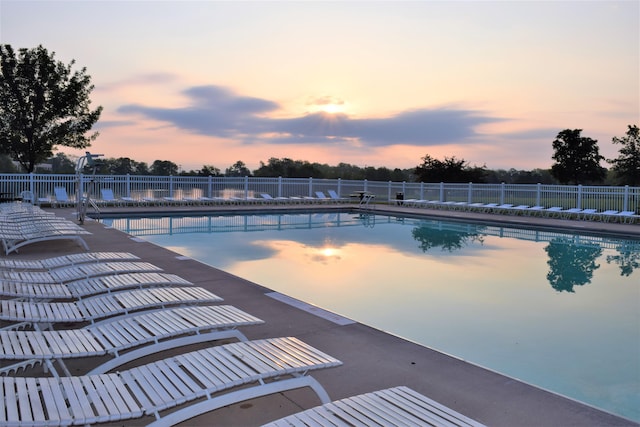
{"x": 628, "y": 258}
{"x": 557, "y": 310}
{"x": 571, "y": 265}
{"x": 447, "y": 239}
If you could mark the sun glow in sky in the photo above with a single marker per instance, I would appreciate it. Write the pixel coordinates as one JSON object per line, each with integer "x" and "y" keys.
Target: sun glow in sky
{"x": 367, "y": 83}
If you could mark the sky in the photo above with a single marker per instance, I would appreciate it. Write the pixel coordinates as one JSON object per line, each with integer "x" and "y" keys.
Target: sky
{"x": 370, "y": 83}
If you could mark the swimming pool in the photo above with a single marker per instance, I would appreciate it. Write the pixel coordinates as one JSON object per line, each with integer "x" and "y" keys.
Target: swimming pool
{"x": 558, "y": 310}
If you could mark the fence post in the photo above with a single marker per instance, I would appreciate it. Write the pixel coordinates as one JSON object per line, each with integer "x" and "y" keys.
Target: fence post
{"x": 579, "y": 201}
{"x": 170, "y": 185}
{"x": 339, "y": 187}
{"x": 625, "y": 202}
{"x": 310, "y": 187}
{"x": 246, "y": 187}
{"x": 80, "y": 189}
{"x": 502, "y": 185}
{"x": 441, "y": 192}
{"x": 279, "y": 187}
{"x": 421, "y": 190}
{"x": 209, "y": 186}
{"x": 538, "y": 194}
{"x": 470, "y": 193}
{"x": 32, "y": 188}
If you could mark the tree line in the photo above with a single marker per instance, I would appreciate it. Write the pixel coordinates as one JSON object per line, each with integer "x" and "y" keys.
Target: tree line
{"x": 44, "y": 104}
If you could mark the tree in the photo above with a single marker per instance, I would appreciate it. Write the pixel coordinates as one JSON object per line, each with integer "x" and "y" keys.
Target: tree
{"x": 164, "y": 168}
{"x": 577, "y": 158}
{"x": 209, "y": 170}
{"x": 61, "y": 163}
{"x": 6, "y": 165}
{"x": 238, "y": 169}
{"x": 627, "y": 166}
{"x": 42, "y": 104}
{"x": 449, "y": 170}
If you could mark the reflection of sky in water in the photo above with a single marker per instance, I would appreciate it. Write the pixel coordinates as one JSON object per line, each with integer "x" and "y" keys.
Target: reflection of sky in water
{"x": 485, "y": 299}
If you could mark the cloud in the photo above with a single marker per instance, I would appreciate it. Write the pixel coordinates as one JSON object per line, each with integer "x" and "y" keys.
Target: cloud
{"x": 217, "y": 111}
{"x": 105, "y": 124}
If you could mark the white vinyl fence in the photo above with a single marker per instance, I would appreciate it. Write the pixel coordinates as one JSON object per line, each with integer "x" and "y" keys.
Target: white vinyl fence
{"x": 142, "y": 186}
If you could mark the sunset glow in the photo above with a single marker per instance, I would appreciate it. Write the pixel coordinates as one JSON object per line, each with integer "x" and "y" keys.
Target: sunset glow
{"x": 366, "y": 83}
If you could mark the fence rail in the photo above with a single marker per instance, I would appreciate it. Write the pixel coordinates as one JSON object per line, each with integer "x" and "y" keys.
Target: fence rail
{"x": 143, "y": 186}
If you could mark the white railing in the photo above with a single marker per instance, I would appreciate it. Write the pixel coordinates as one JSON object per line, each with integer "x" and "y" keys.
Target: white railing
{"x": 138, "y": 186}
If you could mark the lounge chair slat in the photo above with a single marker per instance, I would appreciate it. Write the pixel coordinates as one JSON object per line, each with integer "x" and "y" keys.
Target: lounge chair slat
{"x": 130, "y": 384}
{"x": 123, "y": 399}
{"x": 101, "y": 403}
{"x": 23, "y": 401}
{"x": 173, "y": 379}
{"x": 152, "y": 384}
{"x": 76, "y": 399}
{"x": 52, "y": 399}
{"x": 213, "y": 376}
{"x": 33, "y": 391}
{"x": 10, "y": 402}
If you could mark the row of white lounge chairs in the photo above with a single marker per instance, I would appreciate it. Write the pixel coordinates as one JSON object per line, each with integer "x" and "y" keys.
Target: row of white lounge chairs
{"x": 526, "y": 210}
{"x": 58, "y": 310}
{"x": 107, "y": 198}
{"x": 23, "y": 224}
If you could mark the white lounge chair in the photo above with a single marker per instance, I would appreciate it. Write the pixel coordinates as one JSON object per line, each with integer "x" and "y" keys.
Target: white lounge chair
{"x": 65, "y": 260}
{"x": 518, "y": 210}
{"x": 628, "y": 217}
{"x": 79, "y": 289}
{"x": 457, "y": 206}
{"x": 103, "y": 306}
{"x": 501, "y": 208}
{"x": 109, "y": 199}
{"x": 588, "y": 214}
{"x": 571, "y": 213}
{"x": 123, "y": 338}
{"x": 336, "y": 198}
{"x": 606, "y": 215}
{"x": 14, "y": 239}
{"x": 252, "y": 369}
{"x": 553, "y": 211}
{"x": 270, "y": 199}
{"x": 174, "y": 201}
{"x": 62, "y": 198}
{"x": 322, "y": 198}
{"x": 398, "y": 406}
{"x": 77, "y": 272}
{"x": 534, "y": 210}
{"x": 487, "y": 207}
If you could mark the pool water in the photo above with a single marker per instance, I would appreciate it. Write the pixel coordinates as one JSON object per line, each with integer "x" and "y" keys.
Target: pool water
{"x": 557, "y": 310}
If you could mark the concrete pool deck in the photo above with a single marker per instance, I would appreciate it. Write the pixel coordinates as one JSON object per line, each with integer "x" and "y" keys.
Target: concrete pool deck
{"x": 372, "y": 359}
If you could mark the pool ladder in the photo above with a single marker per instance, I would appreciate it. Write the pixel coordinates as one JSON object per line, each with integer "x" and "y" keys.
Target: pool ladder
{"x": 364, "y": 201}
